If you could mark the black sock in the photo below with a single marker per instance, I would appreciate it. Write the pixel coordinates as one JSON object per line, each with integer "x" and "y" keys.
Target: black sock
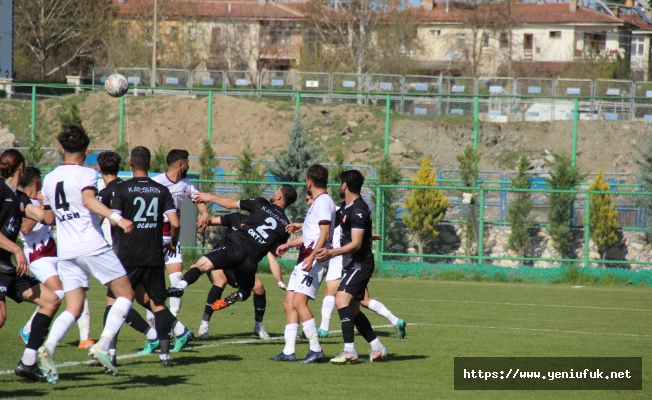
{"x": 260, "y": 302}
{"x": 192, "y": 275}
{"x": 244, "y": 293}
{"x": 364, "y": 327}
{"x": 348, "y": 331}
{"x": 40, "y": 325}
{"x": 114, "y": 342}
{"x": 213, "y": 295}
{"x": 163, "y": 322}
{"x": 106, "y": 314}
{"x": 136, "y": 321}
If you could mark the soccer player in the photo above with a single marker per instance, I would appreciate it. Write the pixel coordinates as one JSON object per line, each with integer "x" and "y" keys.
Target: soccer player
{"x": 15, "y": 282}
{"x": 145, "y": 202}
{"x": 180, "y": 188}
{"x": 219, "y": 278}
{"x": 358, "y": 262}
{"x": 69, "y": 196}
{"x": 308, "y": 273}
{"x": 41, "y": 253}
{"x": 242, "y": 250}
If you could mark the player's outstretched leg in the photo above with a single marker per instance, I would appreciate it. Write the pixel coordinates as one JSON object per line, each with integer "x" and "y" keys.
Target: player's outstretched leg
{"x": 380, "y": 309}
{"x": 260, "y": 303}
{"x": 191, "y": 276}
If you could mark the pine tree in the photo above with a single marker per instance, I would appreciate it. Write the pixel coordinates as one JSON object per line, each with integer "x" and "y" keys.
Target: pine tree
{"x": 159, "y": 161}
{"x": 426, "y": 207}
{"x": 334, "y": 173}
{"x": 564, "y": 177}
{"x": 519, "y": 211}
{"x": 292, "y": 165}
{"x": 388, "y": 174}
{"x": 69, "y": 116}
{"x": 123, "y": 151}
{"x": 249, "y": 171}
{"x": 468, "y": 166}
{"x": 207, "y": 162}
{"x": 603, "y": 216}
{"x": 35, "y": 152}
{"x": 645, "y": 178}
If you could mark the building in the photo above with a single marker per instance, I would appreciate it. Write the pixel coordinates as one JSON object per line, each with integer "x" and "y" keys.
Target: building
{"x": 6, "y": 38}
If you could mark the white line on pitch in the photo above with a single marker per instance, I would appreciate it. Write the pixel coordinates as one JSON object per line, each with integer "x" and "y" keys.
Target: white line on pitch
{"x": 524, "y": 304}
{"x": 534, "y": 330}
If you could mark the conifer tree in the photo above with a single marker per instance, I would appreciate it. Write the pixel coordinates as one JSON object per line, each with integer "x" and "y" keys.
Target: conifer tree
{"x": 468, "y": 166}
{"x": 159, "y": 159}
{"x": 563, "y": 177}
{"x": 388, "y": 174}
{"x": 334, "y": 173}
{"x": 519, "y": 210}
{"x": 207, "y": 162}
{"x": 249, "y": 171}
{"x": 645, "y": 178}
{"x": 603, "y": 216}
{"x": 426, "y": 207}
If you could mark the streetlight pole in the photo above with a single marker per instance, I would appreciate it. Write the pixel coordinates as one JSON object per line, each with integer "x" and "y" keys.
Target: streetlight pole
{"x": 153, "y": 80}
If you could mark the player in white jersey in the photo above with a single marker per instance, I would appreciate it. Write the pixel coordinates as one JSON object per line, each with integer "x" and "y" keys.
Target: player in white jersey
{"x": 308, "y": 273}
{"x": 41, "y": 253}
{"x": 180, "y": 188}
{"x": 69, "y": 196}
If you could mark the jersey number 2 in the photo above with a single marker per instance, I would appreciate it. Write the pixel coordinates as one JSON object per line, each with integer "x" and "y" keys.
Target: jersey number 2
{"x": 271, "y": 224}
{"x": 152, "y": 210}
{"x": 60, "y": 198}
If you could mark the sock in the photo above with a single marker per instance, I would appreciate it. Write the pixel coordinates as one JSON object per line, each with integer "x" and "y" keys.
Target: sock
{"x": 163, "y": 321}
{"x": 244, "y": 294}
{"x": 150, "y": 314}
{"x": 380, "y": 309}
{"x": 136, "y": 321}
{"x": 189, "y": 278}
{"x": 84, "y": 323}
{"x": 39, "y": 330}
{"x": 59, "y": 329}
{"x": 346, "y": 316}
{"x": 114, "y": 321}
{"x": 260, "y": 303}
{"x": 106, "y": 314}
{"x": 213, "y": 295}
{"x": 29, "y": 357}
{"x": 291, "y": 331}
{"x": 364, "y": 327}
{"x": 310, "y": 329}
{"x": 113, "y": 346}
{"x": 257, "y": 325}
{"x": 376, "y": 345}
{"x": 327, "y": 307}
{"x": 28, "y": 326}
{"x": 175, "y": 302}
{"x": 350, "y": 347}
{"x": 179, "y": 328}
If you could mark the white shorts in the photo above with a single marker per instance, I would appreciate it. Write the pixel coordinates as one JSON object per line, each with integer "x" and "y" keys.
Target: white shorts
{"x": 176, "y": 259}
{"x": 307, "y": 282}
{"x": 44, "y": 268}
{"x": 103, "y": 265}
{"x": 334, "y": 269}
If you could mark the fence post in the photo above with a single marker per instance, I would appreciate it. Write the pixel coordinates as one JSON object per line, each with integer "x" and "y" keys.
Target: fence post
{"x": 210, "y": 117}
{"x": 33, "y": 132}
{"x": 378, "y": 221}
{"x": 122, "y": 120}
{"x": 387, "y": 111}
{"x": 297, "y": 106}
{"x": 382, "y": 225}
{"x": 576, "y": 117}
{"x": 476, "y": 113}
{"x": 587, "y": 229}
{"x": 481, "y": 230}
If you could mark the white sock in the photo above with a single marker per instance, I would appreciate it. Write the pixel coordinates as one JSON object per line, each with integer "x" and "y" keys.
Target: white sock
{"x": 179, "y": 329}
{"x": 258, "y": 325}
{"x": 175, "y": 302}
{"x": 27, "y": 329}
{"x": 327, "y": 307}
{"x": 114, "y": 321}
{"x": 84, "y": 323}
{"x": 310, "y": 329}
{"x": 151, "y": 334}
{"x": 291, "y": 331}
{"x": 350, "y": 347}
{"x": 164, "y": 356}
{"x": 29, "y": 357}
{"x": 59, "y": 329}
{"x": 378, "y": 307}
{"x": 150, "y": 316}
{"x": 204, "y": 323}
{"x": 376, "y": 345}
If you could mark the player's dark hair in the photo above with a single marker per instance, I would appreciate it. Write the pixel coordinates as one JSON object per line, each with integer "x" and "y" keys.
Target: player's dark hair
{"x": 318, "y": 175}
{"x": 31, "y": 175}
{"x": 109, "y": 162}
{"x": 10, "y": 160}
{"x": 353, "y": 179}
{"x": 140, "y": 157}
{"x": 289, "y": 195}
{"x": 74, "y": 139}
{"x": 177, "y": 154}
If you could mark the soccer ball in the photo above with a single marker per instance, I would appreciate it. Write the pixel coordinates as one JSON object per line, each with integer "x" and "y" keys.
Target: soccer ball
{"x": 116, "y": 85}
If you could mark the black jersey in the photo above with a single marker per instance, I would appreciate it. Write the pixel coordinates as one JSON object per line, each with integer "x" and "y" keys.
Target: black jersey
{"x": 264, "y": 228}
{"x": 12, "y": 211}
{"x": 232, "y": 222}
{"x": 144, "y": 202}
{"x": 105, "y": 196}
{"x": 357, "y": 216}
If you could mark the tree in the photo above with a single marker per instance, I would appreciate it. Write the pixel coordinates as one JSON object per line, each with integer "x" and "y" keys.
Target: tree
{"x": 334, "y": 174}
{"x": 519, "y": 210}
{"x": 248, "y": 170}
{"x": 468, "y": 166}
{"x": 645, "y": 178}
{"x": 69, "y": 116}
{"x": 292, "y": 164}
{"x": 35, "y": 152}
{"x": 388, "y": 174}
{"x": 123, "y": 151}
{"x": 159, "y": 161}
{"x": 563, "y": 177}
{"x": 426, "y": 207}
{"x": 207, "y": 164}
{"x": 603, "y": 216}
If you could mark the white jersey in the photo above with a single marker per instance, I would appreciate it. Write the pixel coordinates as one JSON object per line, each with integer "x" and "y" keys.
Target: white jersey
{"x": 179, "y": 191}
{"x": 78, "y": 229}
{"x": 322, "y": 211}
{"x": 38, "y": 242}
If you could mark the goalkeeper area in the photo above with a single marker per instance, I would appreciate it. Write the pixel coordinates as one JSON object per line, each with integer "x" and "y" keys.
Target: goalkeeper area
{"x": 445, "y": 319}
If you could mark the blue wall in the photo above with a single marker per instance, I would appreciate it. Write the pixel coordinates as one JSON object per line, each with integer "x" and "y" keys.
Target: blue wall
{"x": 6, "y": 37}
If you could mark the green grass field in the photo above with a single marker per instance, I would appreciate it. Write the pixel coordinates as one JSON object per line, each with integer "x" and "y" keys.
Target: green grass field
{"x": 445, "y": 319}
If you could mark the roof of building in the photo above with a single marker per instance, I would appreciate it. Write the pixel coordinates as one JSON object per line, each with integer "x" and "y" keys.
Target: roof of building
{"x": 637, "y": 21}
{"x": 212, "y": 9}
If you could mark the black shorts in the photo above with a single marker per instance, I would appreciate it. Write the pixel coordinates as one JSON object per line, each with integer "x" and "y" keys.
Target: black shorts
{"x": 152, "y": 279}
{"x": 355, "y": 281}
{"x": 13, "y": 286}
{"x": 242, "y": 267}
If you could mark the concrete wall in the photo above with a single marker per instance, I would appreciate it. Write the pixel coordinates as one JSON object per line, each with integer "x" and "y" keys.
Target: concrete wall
{"x": 6, "y": 37}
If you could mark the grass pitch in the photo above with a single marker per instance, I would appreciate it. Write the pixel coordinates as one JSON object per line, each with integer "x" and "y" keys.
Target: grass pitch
{"x": 445, "y": 319}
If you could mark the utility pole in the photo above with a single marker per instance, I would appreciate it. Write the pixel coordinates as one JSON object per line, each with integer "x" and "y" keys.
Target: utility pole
{"x": 153, "y": 80}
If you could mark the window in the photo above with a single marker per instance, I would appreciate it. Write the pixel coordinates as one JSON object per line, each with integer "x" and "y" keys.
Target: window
{"x": 638, "y": 47}
{"x": 594, "y": 42}
{"x": 485, "y": 40}
{"x": 216, "y": 40}
{"x": 504, "y": 40}
{"x": 460, "y": 39}
{"x": 554, "y": 35}
{"x": 192, "y": 32}
{"x": 435, "y": 32}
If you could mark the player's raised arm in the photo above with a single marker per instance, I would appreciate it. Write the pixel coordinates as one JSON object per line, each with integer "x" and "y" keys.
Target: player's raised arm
{"x": 215, "y": 221}
{"x": 34, "y": 213}
{"x": 199, "y": 198}
{"x": 283, "y": 248}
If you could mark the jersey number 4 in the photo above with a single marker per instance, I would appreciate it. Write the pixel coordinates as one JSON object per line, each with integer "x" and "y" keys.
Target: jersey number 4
{"x": 152, "y": 210}
{"x": 60, "y": 202}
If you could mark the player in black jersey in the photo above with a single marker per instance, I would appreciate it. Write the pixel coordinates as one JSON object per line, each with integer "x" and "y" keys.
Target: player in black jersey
{"x": 242, "y": 250}
{"x": 15, "y": 281}
{"x": 146, "y": 202}
{"x": 358, "y": 266}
